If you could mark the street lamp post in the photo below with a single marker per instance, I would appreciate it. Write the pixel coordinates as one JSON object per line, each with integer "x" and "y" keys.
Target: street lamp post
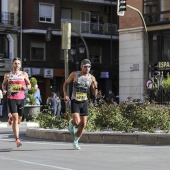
{"x": 66, "y": 43}
{"x": 76, "y": 52}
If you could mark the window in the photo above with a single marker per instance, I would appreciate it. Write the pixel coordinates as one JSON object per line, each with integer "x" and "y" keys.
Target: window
{"x": 95, "y": 54}
{"x": 85, "y": 22}
{"x": 4, "y": 46}
{"x": 37, "y": 52}
{"x": 46, "y": 13}
{"x": 159, "y": 46}
{"x": 66, "y": 14}
{"x": 156, "y": 11}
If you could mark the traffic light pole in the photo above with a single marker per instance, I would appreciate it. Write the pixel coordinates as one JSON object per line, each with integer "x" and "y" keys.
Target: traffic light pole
{"x": 140, "y": 16}
{"x": 146, "y": 39}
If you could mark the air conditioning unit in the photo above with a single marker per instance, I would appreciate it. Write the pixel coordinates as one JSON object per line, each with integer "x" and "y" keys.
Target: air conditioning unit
{"x": 105, "y": 10}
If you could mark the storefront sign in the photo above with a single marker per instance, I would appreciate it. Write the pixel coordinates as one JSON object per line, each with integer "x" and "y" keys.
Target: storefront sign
{"x": 36, "y": 71}
{"x": 48, "y": 73}
{"x": 164, "y": 65}
{"x": 104, "y": 75}
{"x": 28, "y": 71}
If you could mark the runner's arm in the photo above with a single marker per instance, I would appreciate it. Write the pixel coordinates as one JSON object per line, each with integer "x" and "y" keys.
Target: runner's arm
{"x": 27, "y": 81}
{"x": 4, "y": 83}
{"x": 94, "y": 86}
{"x": 68, "y": 81}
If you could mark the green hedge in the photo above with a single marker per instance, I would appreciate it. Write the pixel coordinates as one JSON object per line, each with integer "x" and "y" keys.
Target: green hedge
{"x": 126, "y": 117}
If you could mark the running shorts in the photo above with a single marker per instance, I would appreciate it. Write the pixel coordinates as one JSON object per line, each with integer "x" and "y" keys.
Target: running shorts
{"x": 16, "y": 106}
{"x": 79, "y": 107}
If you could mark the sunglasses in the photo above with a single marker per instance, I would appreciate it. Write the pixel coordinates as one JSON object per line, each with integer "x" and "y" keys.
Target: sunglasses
{"x": 87, "y": 66}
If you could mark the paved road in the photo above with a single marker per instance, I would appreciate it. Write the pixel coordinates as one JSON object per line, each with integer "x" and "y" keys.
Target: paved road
{"x": 37, "y": 154}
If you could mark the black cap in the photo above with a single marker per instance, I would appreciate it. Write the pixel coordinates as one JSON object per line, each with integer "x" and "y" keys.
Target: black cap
{"x": 85, "y": 61}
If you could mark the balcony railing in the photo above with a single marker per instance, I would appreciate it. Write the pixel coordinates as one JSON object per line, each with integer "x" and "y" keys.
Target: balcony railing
{"x": 6, "y": 55}
{"x": 92, "y": 28}
{"x": 7, "y": 18}
{"x": 157, "y": 18}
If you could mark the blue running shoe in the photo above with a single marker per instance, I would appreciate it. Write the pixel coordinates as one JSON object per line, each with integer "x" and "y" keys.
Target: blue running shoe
{"x": 76, "y": 146}
{"x": 71, "y": 128}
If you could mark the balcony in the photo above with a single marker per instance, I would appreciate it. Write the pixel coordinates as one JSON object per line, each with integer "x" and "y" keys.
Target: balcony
{"x": 7, "y": 18}
{"x": 94, "y": 1}
{"x": 98, "y": 29}
{"x": 157, "y": 18}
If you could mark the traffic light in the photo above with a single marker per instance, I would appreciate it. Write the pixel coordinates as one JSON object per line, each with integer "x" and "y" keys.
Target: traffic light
{"x": 121, "y": 7}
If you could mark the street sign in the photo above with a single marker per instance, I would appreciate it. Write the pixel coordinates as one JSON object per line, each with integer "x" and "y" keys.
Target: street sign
{"x": 149, "y": 84}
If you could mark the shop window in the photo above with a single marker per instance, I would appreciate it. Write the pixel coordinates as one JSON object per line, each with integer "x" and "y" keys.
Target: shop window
{"x": 159, "y": 49}
{"x": 46, "y": 13}
{"x": 166, "y": 47}
{"x": 37, "y": 52}
{"x": 95, "y": 54}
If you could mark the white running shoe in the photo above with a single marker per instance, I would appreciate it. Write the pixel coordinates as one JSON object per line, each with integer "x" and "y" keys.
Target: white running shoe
{"x": 76, "y": 146}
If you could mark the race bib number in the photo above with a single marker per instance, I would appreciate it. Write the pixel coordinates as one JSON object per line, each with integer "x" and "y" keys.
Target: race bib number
{"x": 15, "y": 87}
{"x": 81, "y": 96}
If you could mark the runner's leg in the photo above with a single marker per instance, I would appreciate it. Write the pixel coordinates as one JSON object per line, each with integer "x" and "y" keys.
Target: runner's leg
{"x": 82, "y": 125}
{"x": 79, "y": 132}
{"x": 15, "y": 126}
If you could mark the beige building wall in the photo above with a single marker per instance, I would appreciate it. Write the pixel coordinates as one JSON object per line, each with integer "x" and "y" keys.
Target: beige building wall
{"x": 131, "y": 64}
{"x": 132, "y": 54}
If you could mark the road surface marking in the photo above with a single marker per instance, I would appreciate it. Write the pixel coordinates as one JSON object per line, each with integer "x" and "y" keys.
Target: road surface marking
{"x": 34, "y": 163}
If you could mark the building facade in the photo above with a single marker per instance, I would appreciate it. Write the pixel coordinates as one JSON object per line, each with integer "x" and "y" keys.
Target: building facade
{"x": 96, "y": 21}
{"x": 9, "y": 30}
{"x": 120, "y": 59}
{"x": 9, "y": 38}
{"x": 140, "y": 48}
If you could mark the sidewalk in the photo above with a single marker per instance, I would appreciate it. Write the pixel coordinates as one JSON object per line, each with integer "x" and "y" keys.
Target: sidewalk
{"x": 101, "y": 137}
{"x": 4, "y": 124}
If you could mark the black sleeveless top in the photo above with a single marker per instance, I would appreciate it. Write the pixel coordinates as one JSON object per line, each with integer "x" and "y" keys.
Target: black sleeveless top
{"x": 81, "y": 87}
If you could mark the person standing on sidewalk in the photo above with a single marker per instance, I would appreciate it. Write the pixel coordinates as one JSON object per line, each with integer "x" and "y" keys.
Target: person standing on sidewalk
{"x": 14, "y": 84}
{"x": 52, "y": 102}
{"x": 58, "y": 112}
{"x": 83, "y": 82}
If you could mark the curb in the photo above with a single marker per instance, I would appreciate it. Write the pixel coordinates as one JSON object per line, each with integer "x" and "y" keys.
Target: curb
{"x": 101, "y": 137}
{"x": 22, "y": 124}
